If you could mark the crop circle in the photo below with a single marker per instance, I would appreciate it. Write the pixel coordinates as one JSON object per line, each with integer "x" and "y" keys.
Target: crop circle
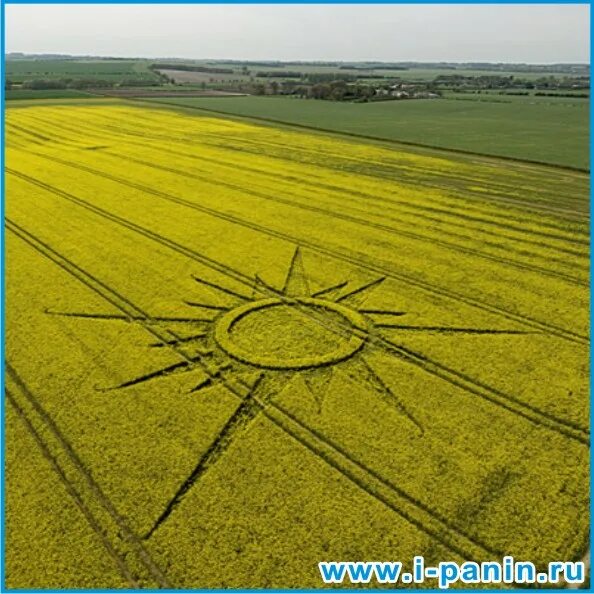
{"x": 276, "y": 334}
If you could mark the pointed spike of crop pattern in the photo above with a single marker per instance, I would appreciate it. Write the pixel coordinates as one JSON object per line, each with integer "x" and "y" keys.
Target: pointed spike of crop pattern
{"x": 318, "y": 381}
{"x": 204, "y": 383}
{"x": 358, "y": 296}
{"x": 182, "y": 366}
{"x": 207, "y": 306}
{"x": 450, "y": 329}
{"x": 177, "y": 341}
{"x": 360, "y": 370}
{"x": 125, "y": 318}
{"x": 263, "y": 289}
{"x": 220, "y": 288}
{"x": 327, "y": 291}
{"x": 246, "y": 412}
{"x": 382, "y": 312}
{"x": 387, "y": 394}
{"x": 296, "y": 284}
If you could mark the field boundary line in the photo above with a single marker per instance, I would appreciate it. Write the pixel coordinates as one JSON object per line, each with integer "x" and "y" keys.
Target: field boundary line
{"x": 72, "y": 492}
{"x": 357, "y": 262}
{"x": 129, "y": 535}
{"x": 463, "y": 381}
{"x": 327, "y": 131}
{"x": 338, "y": 463}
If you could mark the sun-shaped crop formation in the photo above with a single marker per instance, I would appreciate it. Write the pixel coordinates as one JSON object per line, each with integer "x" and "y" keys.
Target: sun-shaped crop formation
{"x": 256, "y": 344}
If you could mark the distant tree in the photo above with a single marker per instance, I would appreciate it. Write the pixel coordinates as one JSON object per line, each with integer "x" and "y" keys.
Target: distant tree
{"x": 337, "y": 93}
{"x": 301, "y": 91}
{"x": 338, "y": 88}
{"x": 87, "y": 83}
{"x": 287, "y": 87}
{"x": 323, "y": 77}
{"x": 44, "y": 83}
{"x": 364, "y": 91}
{"x": 320, "y": 91}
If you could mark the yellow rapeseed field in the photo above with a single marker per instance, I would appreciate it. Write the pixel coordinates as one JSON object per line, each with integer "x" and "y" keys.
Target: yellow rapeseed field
{"x": 236, "y": 350}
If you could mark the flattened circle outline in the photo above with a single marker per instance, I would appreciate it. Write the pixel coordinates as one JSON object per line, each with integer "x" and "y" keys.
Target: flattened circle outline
{"x": 224, "y": 326}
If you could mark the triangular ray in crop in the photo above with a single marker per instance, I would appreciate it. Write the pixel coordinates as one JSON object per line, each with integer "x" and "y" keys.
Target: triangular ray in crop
{"x": 318, "y": 381}
{"x": 244, "y": 414}
{"x": 178, "y": 341}
{"x": 330, "y": 291}
{"x": 360, "y": 370}
{"x": 296, "y": 284}
{"x": 356, "y": 297}
{"x": 220, "y": 288}
{"x": 126, "y": 318}
{"x": 449, "y": 329}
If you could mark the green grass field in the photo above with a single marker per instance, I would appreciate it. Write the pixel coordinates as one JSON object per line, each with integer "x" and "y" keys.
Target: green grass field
{"x": 110, "y": 70}
{"x": 531, "y": 99}
{"x": 31, "y": 95}
{"x": 549, "y": 131}
{"x": 412, "y": 74}
{"x": 430, "y": 74}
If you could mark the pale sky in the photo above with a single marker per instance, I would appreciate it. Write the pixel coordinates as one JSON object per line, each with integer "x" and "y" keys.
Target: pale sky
{"x": 535, "y": 33}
